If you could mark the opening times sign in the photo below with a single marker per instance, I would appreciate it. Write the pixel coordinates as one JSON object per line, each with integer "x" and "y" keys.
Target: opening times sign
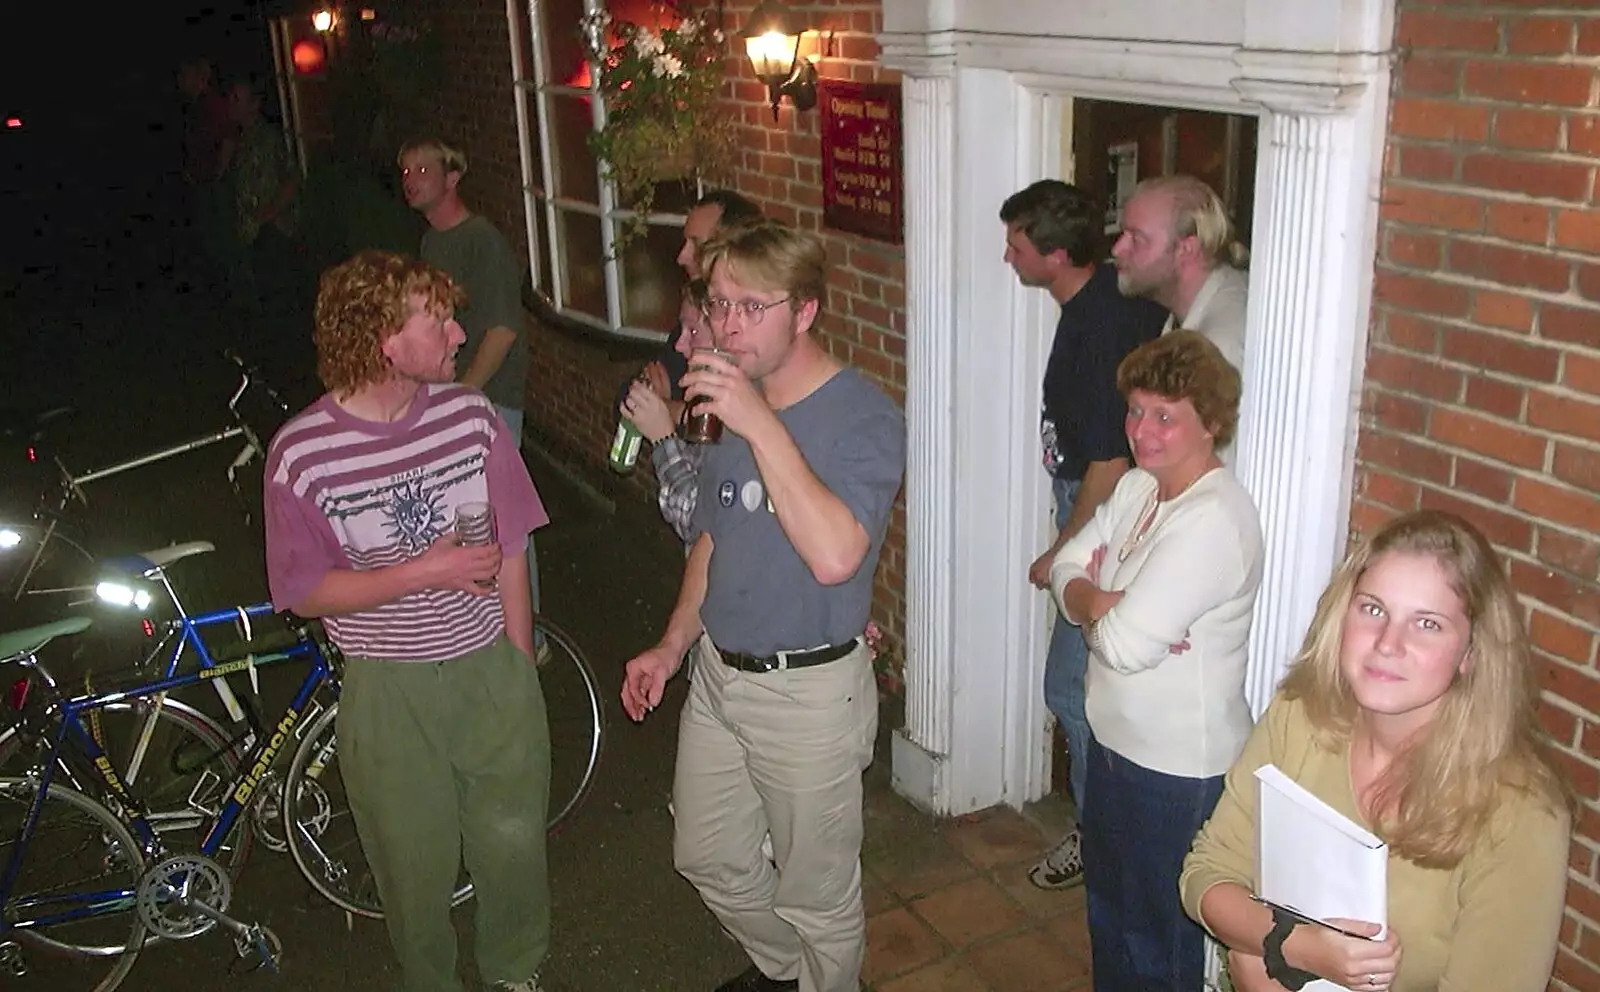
{"x": 861, "y": 173}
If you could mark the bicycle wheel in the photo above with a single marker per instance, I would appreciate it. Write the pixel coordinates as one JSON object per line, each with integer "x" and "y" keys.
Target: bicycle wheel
{"x": 321, "y": 831}
{"x": 77, "y": 847}
{"x": 577, "y": 719}
{"x": 42, "y": 568}
{"x": 182, "y": 776}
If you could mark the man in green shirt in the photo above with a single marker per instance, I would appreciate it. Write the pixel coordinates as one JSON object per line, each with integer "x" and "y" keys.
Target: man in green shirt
{"x": 480, "y": 260}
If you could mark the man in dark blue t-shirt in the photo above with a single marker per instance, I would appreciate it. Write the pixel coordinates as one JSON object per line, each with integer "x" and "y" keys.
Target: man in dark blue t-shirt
{"x": 1052, "y": 241}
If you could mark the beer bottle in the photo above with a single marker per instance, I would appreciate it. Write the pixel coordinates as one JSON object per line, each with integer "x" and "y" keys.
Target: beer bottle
{"x": 624, "y": 454}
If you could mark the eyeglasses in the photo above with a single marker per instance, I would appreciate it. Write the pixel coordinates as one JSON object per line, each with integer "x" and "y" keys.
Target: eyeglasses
{"x": 720, "y": 309}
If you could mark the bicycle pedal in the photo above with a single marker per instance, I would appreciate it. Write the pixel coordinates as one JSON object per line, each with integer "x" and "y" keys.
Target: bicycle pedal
{"x": 256, "y": 947}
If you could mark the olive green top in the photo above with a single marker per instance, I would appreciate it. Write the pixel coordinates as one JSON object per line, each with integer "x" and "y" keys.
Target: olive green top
{"x": 1488, "y": 925}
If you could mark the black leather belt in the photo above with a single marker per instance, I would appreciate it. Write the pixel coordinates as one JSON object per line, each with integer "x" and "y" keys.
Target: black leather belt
{"x": 785, "y": 659}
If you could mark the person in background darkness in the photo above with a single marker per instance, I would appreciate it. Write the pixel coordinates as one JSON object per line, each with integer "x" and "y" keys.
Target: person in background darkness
{"x": 205, "y": 133}
{"x": 265, "y": 182}
{"x": 444, "y": 743}
{"x": 1053, "y": 243}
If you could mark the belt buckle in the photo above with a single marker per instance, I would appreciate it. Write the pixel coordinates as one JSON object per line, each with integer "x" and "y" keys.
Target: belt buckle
{"x": 777, "y": 663}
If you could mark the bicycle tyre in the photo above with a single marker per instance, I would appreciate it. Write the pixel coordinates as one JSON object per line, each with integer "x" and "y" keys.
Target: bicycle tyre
{"x": 77, "y": 949}
{"x": 185, "y": 747}
{"x": 61, "y": 564}
{"x": 321, "y": 830}
{"x": 577, "y": 720}
{"x": 321, "y": 833}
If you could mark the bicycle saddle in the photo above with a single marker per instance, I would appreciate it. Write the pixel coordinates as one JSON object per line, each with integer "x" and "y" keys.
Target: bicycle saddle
{"x": 19, "y": 643}
{"x": 147, "y": 563}
{"x": 29, "y": 423}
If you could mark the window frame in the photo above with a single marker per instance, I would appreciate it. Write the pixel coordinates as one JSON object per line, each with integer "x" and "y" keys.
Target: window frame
{"x": 533, "y": 97}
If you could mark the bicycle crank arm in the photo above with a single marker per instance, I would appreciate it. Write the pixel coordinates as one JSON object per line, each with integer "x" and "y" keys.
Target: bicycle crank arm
{"x": 248, "y": 938}
{"x": 204, "y": 908}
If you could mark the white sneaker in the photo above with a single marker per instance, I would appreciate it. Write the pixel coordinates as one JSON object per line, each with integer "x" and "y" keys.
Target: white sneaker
{"x": 1062, "y": 868}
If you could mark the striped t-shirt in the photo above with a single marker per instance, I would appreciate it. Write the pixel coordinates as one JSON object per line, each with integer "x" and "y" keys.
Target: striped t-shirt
{"x": 342, "y": 492}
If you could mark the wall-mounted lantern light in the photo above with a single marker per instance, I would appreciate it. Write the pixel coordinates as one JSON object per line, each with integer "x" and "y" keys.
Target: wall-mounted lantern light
{"x": 772, "y": 41}
{"x": 324, "y": 20}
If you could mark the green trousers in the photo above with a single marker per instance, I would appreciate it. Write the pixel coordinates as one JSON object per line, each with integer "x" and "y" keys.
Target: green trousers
{"x": 445, "y": 763}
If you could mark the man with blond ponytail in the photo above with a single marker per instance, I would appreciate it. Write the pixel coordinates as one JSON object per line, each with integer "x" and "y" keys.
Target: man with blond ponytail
{"x": 1177, "y": 248}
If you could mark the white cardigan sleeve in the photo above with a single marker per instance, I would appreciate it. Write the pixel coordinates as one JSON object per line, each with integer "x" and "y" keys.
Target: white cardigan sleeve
{"x": 1072, "y": 561}
{"x": 1191, "y": 564}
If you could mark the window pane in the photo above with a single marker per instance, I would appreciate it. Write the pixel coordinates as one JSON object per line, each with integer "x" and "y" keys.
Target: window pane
{"x": 582, "y": 263}
{"x": 651, "y": 280}
{"x": 568, "y": 65}
{"x": 576, "y": 176}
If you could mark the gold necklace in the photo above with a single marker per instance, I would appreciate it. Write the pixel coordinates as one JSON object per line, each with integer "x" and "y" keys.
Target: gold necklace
{"x": 1147, "y": 517}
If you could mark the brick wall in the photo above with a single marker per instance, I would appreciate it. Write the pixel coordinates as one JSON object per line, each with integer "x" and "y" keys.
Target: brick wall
{"x": 574, "y": 377}
{"x": 1483, "y": 376}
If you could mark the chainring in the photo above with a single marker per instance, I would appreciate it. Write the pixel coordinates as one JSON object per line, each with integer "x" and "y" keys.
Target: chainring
{"x": 163, "y": 889}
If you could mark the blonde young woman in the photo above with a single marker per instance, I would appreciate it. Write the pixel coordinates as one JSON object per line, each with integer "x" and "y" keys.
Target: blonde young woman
{"x": 1162, "y": 579}
{"x": 1410, "y": 709}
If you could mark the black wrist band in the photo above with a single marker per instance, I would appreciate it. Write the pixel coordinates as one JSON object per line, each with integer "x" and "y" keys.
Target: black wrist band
{"x": 1278, "y": 969}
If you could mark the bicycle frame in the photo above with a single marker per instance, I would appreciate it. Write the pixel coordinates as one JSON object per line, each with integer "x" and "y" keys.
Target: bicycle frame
{"x": 253, "y": 448}
{"x": 84, "y": 749}
{"x": 69, "y": 487}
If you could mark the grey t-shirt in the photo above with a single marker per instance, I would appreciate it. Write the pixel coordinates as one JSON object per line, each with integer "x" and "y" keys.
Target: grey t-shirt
{"x": 480, "y": 260}
{"x": 760, "y": 596}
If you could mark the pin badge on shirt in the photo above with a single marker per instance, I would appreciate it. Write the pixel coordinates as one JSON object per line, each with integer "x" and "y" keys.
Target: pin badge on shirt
{"x": 750, "y": 495}
{"x": 725, "y": 493}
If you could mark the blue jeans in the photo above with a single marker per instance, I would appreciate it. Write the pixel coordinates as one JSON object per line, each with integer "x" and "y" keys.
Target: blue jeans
{"x": 513, "y": 419}
{"x": 1065, "y": 666}
{"x": 1134, "y": 841}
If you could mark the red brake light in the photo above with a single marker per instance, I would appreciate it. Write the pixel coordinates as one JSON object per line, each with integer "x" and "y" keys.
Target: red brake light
{"x": 18, "y": 694}
{"x": 33, "y": 453}
{"x": 149, "y": 628}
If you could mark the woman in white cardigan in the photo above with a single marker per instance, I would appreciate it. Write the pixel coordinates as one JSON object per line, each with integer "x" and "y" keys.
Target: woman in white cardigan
{"x": 1162, "y": 580}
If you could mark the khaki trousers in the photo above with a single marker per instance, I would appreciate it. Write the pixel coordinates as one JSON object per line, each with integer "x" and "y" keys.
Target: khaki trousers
{"x": 780, "y": 752}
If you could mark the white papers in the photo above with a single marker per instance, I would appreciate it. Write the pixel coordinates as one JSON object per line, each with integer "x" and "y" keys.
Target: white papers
{"x": 1313, "y": 860}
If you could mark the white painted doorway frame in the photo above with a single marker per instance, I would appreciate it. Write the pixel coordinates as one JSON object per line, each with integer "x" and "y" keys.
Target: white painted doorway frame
{"x": 984, "y": 90}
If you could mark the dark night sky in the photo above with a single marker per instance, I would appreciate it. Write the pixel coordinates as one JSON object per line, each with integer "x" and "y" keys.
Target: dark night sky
{"x": 102, "y": 59}
{"x": 101, "y": 116}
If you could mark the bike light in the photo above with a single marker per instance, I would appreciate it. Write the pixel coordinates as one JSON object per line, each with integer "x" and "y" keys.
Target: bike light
{"x": 148, "y": 627}
{"x": 9, "y": 538}
{"x": 18, "y": 694}
{"x": 121, "y": 594}
{"x": 33, "y": 453}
